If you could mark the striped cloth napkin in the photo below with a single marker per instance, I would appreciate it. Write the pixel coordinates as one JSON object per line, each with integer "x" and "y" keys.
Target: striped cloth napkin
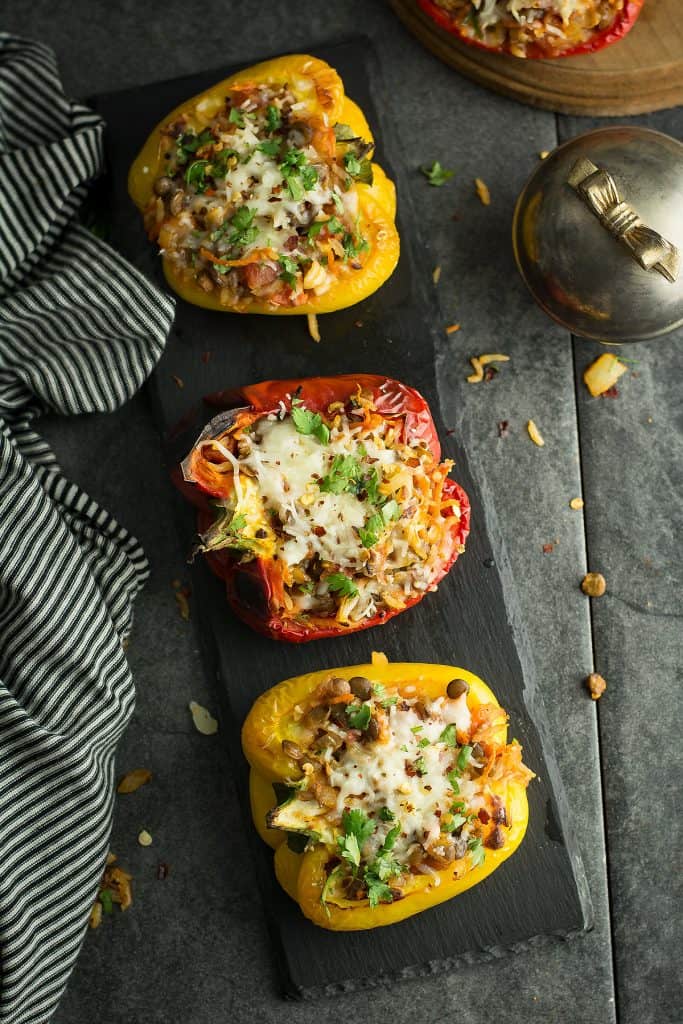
{"x": 80, "y": 330}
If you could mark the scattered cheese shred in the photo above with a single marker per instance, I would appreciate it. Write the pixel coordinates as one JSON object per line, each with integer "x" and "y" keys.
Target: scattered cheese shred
{"x": 493, "y": 357}
{"x": 204, "y": 722}
{"x": 145, "y": 838}
{"x": 482, "y": 191}
{"x": 534, "y": 433}
{"x": 452, "y": 328}
{"x": 133, "y": 780}
{"x": 478, "y": 374}
{"x": 436, "y": 274}
{"x": 378, "y": 658}
{"x": 576, "y": 503}
{"x": 544, "y": 154}
{"x": 313, "y": 329}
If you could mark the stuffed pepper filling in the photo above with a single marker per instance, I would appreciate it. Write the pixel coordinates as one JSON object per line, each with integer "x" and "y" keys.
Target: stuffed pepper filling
{"x": 349, "y": 514}
{"x": 518, "y": 25}
{"x": 262, "y": 202}
{"x": 396, "y": 786}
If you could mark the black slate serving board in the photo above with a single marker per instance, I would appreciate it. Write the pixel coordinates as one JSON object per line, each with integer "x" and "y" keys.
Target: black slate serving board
{"x": 541, "y": 890}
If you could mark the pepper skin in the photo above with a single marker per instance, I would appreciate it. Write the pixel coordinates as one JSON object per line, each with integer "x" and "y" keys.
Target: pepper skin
{"x": 622, "y": 24}
{"x": 253, "y": 587}
{"x": 272, "y": 719}
{"x": 329, "y": 105}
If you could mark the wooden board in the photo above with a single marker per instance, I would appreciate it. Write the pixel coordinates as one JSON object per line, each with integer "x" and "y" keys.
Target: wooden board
{"x": 641, "y": 73}
{"x": 541, "y": 890}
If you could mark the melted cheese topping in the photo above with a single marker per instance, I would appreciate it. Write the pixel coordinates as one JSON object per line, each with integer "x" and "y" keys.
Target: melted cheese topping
{"x": 373, "y": 775}
{"x": 357, "y": 523}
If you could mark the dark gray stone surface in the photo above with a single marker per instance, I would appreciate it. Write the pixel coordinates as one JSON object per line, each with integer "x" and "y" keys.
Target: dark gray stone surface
{"x": 194, "y": 947}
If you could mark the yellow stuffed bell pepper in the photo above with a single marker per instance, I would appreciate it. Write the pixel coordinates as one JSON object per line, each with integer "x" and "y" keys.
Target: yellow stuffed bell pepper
{"x": 384, "y": 789}
{"x": 262, "y": 196}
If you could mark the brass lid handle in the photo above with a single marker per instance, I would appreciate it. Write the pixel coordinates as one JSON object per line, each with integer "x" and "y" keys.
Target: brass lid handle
{"x": 597, "y": 188}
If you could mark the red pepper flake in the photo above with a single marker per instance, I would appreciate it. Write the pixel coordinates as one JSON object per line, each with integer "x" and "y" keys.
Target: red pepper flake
{"x": 162, "y": 870}
{"x": 490, "y": 372}
{"x": 206, "y": 356}
{"x": 503, "y": 430}
{"x": 547, "y": 548}
{"x": 612, "y": 392}
{"x": 179, "y": 382}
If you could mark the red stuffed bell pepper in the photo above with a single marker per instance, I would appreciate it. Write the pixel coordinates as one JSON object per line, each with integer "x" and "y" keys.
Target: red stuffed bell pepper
{"x": 554, "y": 28}
{"x": 324, "y": 504}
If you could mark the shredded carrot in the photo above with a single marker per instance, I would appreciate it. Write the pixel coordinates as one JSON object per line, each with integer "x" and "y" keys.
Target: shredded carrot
{"x": 452, "y": 328}
{"x": 253, "y": 257}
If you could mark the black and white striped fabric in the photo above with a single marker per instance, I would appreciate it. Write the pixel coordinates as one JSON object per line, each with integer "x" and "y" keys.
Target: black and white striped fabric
{"x": 80, "y": 330}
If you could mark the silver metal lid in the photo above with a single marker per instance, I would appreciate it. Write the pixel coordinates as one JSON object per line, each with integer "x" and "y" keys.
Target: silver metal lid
{"x": 598, "y": 234}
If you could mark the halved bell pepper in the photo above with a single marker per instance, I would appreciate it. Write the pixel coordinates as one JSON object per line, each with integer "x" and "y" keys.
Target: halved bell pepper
{"x": 262, "y": 195}
{"x": 613, "y": 20}
{"x": 311, "y": 826}
{"x": 245, "y": 533}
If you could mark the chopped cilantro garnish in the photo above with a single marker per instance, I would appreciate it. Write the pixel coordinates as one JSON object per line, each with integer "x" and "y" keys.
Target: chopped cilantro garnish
{"x": 424, "y": 742}
{"x": 370, "y": 533}
{"x": 309, "y": 177}
{"x": 463, "y": 757}
{"x": 448, "y": 736}
{"x": 244, "y": 230}
{"x": 355, "y": 823}
{"x": 289, "y": 270}
{"x": 403, "y": 747}
{"x": 386, "y": 815}
{"x": 454, "y": 781}
{"x": 420, "y": 765}
{"x": 382, "y": 868}
{"x": 343, "y": 475}
{"x": 417, "y": 728}
{"x": 273, "y": 119}
{"x": 476, "y": 848}
{"x": 349, "y": 849}
{"x": 436, "y": 174}
{"x": 352, "y": 163}
{"x": 195, "y": 174}
{"x": 360, "y": 169}
{"x": 236, "y": 117}
{"x": 333, "y": 226}
{"x": 296, "y": 189}
{"x": 359, "y": 716}
{"x": 271, "y": 147}
{"x": 378, "y": 892}
{"x": 389, "y": 702}
{"x": 354, "y": 245}
{"x": 307, "y": 422}
{"x": 453, "y": 823}
{"x": 189, "y": 143}
{"x": 473, "y": 18}
{"x": 340, "y": 584}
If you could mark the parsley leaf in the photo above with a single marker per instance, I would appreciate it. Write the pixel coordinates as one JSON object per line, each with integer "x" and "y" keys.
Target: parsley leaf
{"x": 349, "y": 849}
{"x": 436, "y": 174}
{"x": 448, "y": 737}
{"x": 236, "y": 117}
{"x": 307, "y": 422}
{"x": 354, "y": 245}
{"x": 273, "y": 119}
{"x": 359, "y": 716}
{"x": 340, "y": 584}
{"x": 463, "y": 757}
{"x": 476, "y": 848}
{"x": 391, "y": 511}
{"x": 386, "y": 815}
{"x": 423, "y": 742}
{"x": 454, "y": 781}
{"x": 360, "y": 169}
{"x": 105, "y": 898}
